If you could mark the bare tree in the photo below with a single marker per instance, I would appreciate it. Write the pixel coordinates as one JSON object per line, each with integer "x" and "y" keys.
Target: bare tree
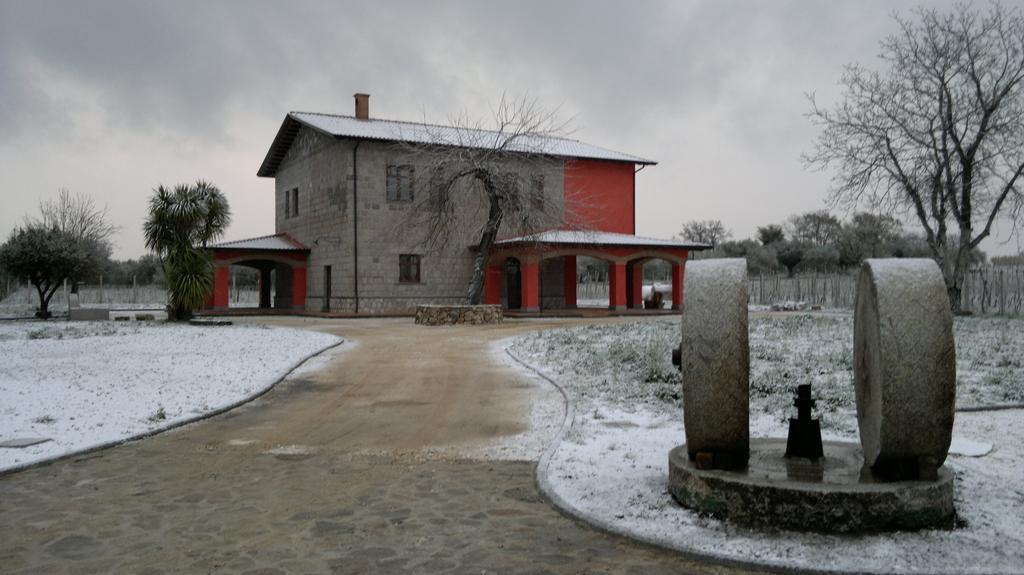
{"x": 770, "y": 234}
{"x": 711, "y": 232}
{"x": 818, "y": 228}
{"x": 69, "y": 239}
{"x": 939, "y": 132}
{"x": 79, "y": 218}
{"x": 483, "y": 179}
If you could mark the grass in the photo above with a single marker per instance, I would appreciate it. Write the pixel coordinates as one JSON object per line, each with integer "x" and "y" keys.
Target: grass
{"x": 630, "y": 364}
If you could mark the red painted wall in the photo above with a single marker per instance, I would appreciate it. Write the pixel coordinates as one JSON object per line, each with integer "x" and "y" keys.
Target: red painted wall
{"x": 600, "y": 195}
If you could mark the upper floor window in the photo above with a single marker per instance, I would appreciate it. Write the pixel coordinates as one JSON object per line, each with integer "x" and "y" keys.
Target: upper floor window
{"x": 537, "y": 192}
{"x": 291, "y": 203}
{"x": 409, "y": 268}
{"x": 400, "y": 183}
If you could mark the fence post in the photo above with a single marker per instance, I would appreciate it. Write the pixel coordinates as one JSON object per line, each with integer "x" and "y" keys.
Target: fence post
{"x": 135, "y": 290}
{"x": 1002, "y": 293}
{"x": 101, "y": 288}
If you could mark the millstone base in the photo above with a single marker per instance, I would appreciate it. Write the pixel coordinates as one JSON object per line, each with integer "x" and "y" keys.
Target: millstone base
{"x": 834, "y": 494}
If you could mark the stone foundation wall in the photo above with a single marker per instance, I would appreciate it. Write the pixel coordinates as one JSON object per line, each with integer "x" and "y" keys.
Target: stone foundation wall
{"x": 458, "y": 314}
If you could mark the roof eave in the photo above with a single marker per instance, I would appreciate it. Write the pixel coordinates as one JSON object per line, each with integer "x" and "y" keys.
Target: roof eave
{"x": 292, "y": 123}
{"x": 283, "y": 142}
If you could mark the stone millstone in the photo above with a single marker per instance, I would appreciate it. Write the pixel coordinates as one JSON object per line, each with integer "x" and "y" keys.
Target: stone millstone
{"x": 715, "y": 362}
{"x": 904, "y": 365}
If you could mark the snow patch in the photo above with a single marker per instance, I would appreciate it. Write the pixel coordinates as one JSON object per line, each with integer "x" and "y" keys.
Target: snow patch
{"x": 611, "y": 465}
{"x": 969, "y": 448}
{"x": 88, "y": 384}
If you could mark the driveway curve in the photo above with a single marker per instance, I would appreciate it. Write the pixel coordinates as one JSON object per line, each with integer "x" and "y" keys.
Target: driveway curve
{"x": 345, "y": 469}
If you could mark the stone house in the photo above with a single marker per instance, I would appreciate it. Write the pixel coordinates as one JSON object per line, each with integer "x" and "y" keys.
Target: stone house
{"x": 346, "y": 193}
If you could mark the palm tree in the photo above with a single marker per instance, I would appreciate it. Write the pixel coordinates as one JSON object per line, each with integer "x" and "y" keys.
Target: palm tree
{"x": 181, "y": 223}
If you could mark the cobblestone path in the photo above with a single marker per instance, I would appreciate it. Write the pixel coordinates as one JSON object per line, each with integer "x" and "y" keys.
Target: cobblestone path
{"x": 277, "y": 486}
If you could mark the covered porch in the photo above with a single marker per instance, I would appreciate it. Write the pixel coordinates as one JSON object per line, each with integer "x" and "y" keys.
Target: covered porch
{"x": 536, "y": 273}
{"x": 281, "y": 262}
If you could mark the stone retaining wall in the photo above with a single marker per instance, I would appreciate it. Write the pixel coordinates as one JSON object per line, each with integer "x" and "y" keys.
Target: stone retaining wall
{"x": 458, "y": 314}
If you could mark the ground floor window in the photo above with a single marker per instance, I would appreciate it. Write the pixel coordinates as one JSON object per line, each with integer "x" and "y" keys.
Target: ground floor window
{"x": 409, "y": 268}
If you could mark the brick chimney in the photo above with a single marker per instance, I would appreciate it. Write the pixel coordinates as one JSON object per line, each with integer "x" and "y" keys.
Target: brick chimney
{"x": 362, "y": 106}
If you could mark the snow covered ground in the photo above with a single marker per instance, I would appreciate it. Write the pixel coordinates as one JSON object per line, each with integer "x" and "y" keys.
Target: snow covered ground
{"x": 611, "y": 465}
{"x": 85, "y": 384}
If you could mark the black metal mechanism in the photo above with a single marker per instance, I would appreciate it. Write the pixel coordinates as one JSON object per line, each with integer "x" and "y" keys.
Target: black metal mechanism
{"x": 804, "y": 433}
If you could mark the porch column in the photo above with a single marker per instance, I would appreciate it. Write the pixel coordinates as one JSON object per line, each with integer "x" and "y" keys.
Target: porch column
{"x": 298, "y": 288}
{"x": 616, "y": 286}
{"x": 569, "y": 278}
{"x": 636, "y": 285}
{"x": 220, "y": 287}
{"x": 677, "y": 285}
{"x": 265, "y": 287}
{"x": 492, "y": 285}
{"x": 530, "y": 285}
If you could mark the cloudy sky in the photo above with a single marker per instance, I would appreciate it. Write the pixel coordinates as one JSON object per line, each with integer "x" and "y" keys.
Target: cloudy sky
{"x": 114, "y": 98}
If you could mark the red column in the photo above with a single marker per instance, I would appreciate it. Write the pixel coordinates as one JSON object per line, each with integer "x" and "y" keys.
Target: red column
{"x": 637, "y": 285}
{"x": 220, "y": 287}
{"x": 530, "y": 283}
{"x": 616, "y": 286}
{"x": 569, "y": 277}
{"x": 298, "y": 288}
{"x": 678, "y": 271}
{"x": 492, "y": 285}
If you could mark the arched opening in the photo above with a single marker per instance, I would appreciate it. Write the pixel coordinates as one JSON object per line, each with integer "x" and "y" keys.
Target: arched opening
{"x": 592, "y": 283}
{"x": 252, "y": 284}
{"x": 649, "y": 283}
{"x": 266, "y": 282}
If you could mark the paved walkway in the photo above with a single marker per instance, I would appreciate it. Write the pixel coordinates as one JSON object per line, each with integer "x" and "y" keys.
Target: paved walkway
{"x": 326, "y": 473}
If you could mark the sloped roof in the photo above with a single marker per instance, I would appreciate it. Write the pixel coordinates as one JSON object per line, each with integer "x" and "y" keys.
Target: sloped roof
{"x": 586, "y": 238}
{"x": 275, "y": 242}
{"x": 419, "y": 133}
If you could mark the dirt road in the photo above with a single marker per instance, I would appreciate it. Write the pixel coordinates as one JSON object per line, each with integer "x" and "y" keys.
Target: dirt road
{"x": 342, "y": 470}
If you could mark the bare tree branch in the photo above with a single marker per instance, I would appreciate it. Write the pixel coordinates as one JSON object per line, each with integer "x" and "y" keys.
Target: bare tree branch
{"x": 476, "y": 182}
{"x": 938, "y": 132}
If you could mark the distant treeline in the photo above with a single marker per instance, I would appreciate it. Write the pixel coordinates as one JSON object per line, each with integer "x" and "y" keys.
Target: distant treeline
{"x": 817, "y": 242}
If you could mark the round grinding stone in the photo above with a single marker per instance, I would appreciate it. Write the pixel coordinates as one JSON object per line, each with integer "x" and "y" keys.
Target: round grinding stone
{"x": 904, "y": 362}
{"x": 715, "y": 359}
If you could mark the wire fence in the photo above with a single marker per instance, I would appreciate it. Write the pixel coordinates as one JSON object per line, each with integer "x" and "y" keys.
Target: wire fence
{"x": 986, "y": 290}
{"x": 23, "y": 298}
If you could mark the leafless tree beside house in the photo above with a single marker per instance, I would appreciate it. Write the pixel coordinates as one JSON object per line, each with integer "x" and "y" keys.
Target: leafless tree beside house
{"x": 485, "y": 179}
{"x": 939, "y": 132}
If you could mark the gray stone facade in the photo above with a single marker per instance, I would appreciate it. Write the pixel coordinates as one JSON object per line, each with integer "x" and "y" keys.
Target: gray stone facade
{"x": 321, "y": 168}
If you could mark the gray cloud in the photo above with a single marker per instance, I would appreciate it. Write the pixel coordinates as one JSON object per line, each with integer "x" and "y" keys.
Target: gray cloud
{"x": 113, "y": 98}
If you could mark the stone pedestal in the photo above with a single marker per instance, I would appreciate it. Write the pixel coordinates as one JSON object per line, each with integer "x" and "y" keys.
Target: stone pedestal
{"x": 715, "y": 362}
{"x": 835, "y": 494}
{"x": 904, "y": 367}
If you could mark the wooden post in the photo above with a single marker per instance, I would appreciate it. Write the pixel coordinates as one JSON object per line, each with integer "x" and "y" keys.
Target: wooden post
{"x": 101, "y": 288}
{"x": 135, "y": 290}
{"x": 1002, "y": 292}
